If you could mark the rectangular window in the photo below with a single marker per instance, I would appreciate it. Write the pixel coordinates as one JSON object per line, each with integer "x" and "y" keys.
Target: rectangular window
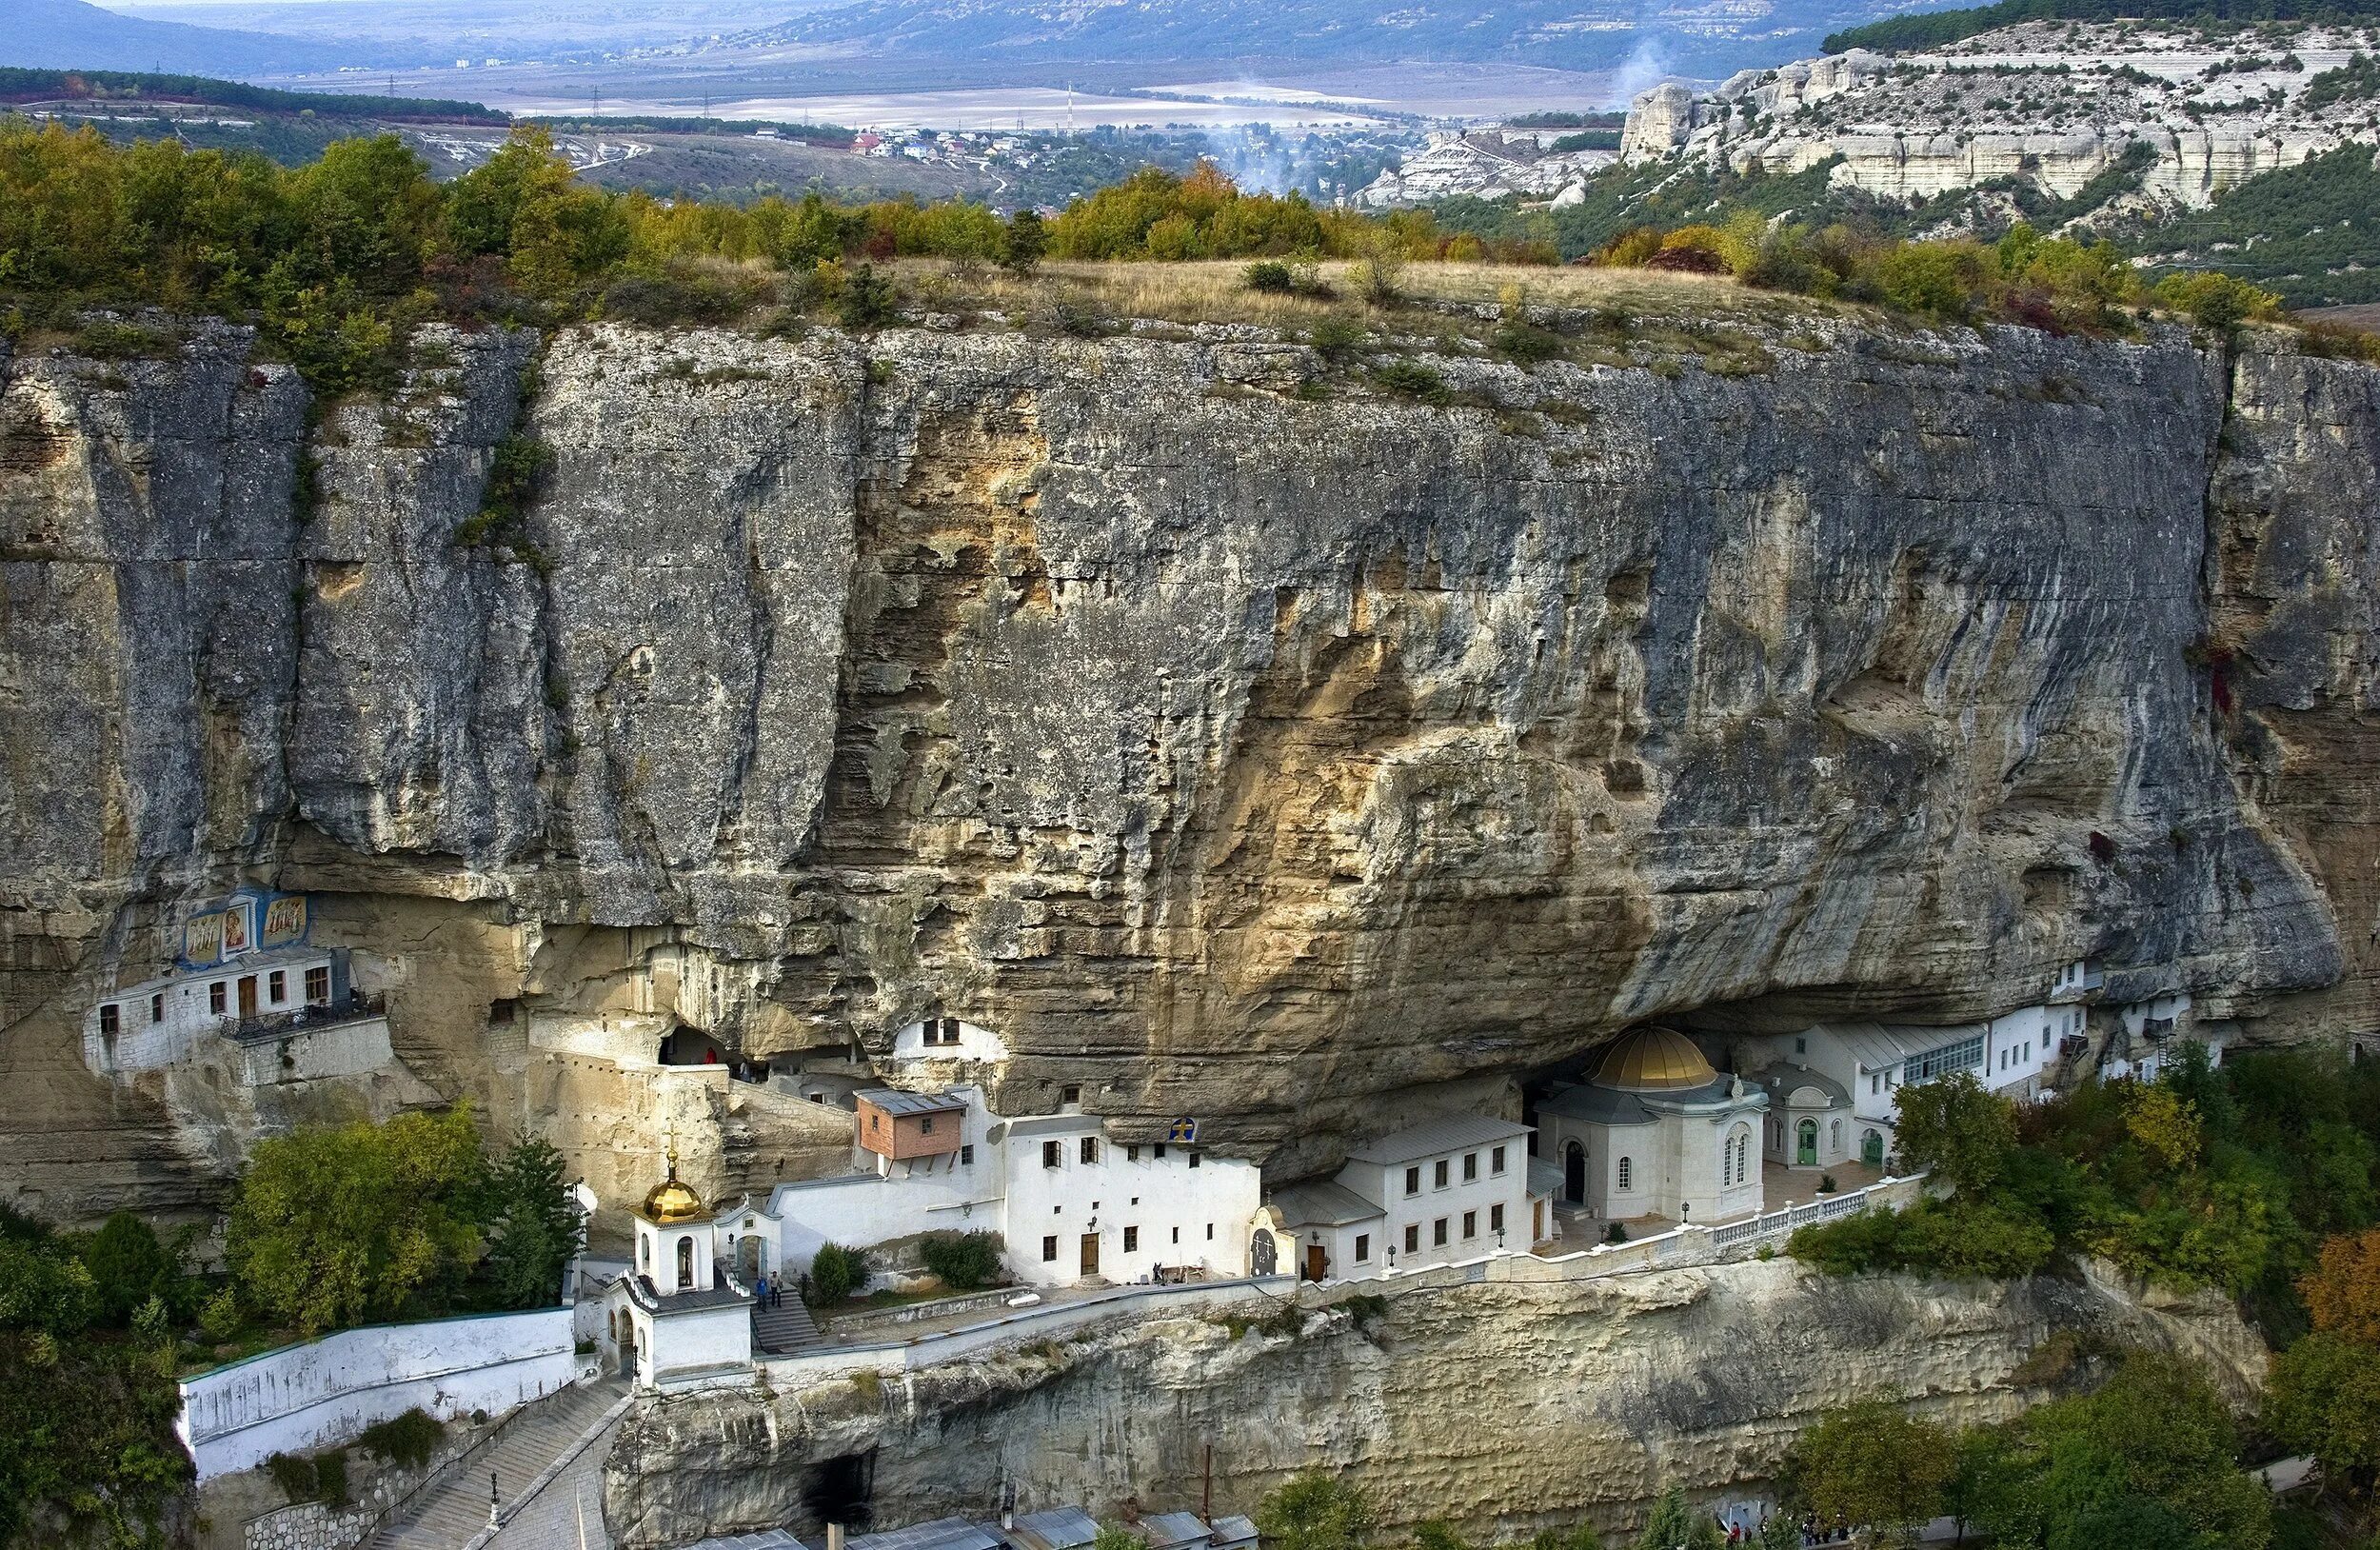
{"x": 1132, "y": 1239}
{"x": 1132, "y": 1154}
{"x": 1363, "y": 1248}
{"x": 1194, "y": 1160}
{"x": 1801, "y": 1045}
{"x": 926, "y": 1128}
{"x": 1176, "y": 1235}
{"x": 1070, "y": 1094}
{"x": 1437, "y": 1174}
{"x": 1210, "y": 1232}
{"x": 277, "y": 986}
{"x": 109, "y": 1018}
{"x": 1875, "y": 1085}
{"x": 1052, "y": 1154}
{"x": 1495, "y": 1160}
{"x": 215, "y": 998}
{"x": 1471, "y": 1224}
{"x": 1413, "y": 1181}
{"x": 1495, "y": 1219}
{"x": 157, "y": 1008}
{"x": 1470, "y": 1166}
{"x": 1956, "y": 1055}
{"x": 318, "y": 989}
{"x": 1049, "y": 1250}
{"x": 1438, "y": 1233}
{"x": 1413, "y": 1240}
{"x": 1090, "y": 1149}
{"x": 966, "y": 1155}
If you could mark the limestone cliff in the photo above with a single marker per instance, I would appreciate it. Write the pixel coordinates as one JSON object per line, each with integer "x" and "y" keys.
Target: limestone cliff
{"x": 1236, "y": 739}
{"x": 1503, "y": 1407}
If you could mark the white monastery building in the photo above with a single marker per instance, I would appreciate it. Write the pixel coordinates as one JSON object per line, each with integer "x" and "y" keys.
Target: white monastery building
{"x": 1453, "y": 1188}
{"x": 1657, "y": 1132}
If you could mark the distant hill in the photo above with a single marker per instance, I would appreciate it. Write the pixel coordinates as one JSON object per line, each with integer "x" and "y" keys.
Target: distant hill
{"x": 1562, "y": 35}
{"x": 69, "y": 34}
{"x": 111, "y": 87}
{"x": 1935, "y": 30}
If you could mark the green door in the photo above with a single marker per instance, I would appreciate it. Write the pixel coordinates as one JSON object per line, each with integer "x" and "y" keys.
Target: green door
{"x": 1872, "y": 1149}
{"x": 1806, "y": 1143}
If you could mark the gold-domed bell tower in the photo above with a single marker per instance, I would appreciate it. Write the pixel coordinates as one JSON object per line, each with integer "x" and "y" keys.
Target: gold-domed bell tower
{"x": 676, "y": 1239}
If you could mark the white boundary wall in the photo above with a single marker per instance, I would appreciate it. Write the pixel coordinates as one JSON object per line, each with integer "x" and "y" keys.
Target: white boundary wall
{"x": 326, "y": 1391}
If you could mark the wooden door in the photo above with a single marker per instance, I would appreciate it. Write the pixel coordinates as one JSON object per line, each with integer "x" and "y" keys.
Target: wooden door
{"x": 1090, "y": 1254}
{"x": 1317, "y": 1262}
{"x": 248, "y": 997}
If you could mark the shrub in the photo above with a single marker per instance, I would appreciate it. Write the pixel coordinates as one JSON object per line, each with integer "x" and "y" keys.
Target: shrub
{"x": 221, "y": 1319}
{"x": 2216, "y": 301}
{"x": 1336, "y": 338}
{"x": 1315, "y": 1510}
{"x": 408, "y": 1440}
{"x": 1414, "y": 379}
{"x": 866, "y": 300}
{"x": 128, "y": 1265}
{"x": 964, "y": 1261}
{"x": 1270, "y": 275}
{"x": 331, "y": 1476}
{"x": 1616, "y": 1234}
{"x": 836, "y": 1272}
{"x": 1022, "y": 242}
{"x": 1525, "y": 342}
{"x": 294, "y": 1474}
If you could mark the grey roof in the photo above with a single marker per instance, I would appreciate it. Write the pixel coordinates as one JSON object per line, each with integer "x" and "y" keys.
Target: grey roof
{"x": 767, "y": 1538}
{"x": 1060, "y": 1528}
{"x": 941, "y": 1534}
{"x": 654, "y": 1300}
{"x": 1233, "y": 1532}
{"x": 1165, "y": 1529}
{"x": 1544, "y": 1177}
{"x": 1323, "y": 1203}
{"x": 1782, "y": 1079}
{"x": 1597, "y": 1105}
{"x": 1037, "y": 1124}
{"x": 1451, "y": 1134}
{"x": 894, "y": 1102}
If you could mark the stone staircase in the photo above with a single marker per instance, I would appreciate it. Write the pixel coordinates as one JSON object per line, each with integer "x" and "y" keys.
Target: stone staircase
{"x": 454, "y": 1512}
{"x": 783, "y": 1330}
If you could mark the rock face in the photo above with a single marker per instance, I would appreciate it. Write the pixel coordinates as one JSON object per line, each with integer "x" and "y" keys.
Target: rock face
{"x": 2035, "y": 105}
{"x": 1235, "y": 739}
{"x": 1504, "y": 1408}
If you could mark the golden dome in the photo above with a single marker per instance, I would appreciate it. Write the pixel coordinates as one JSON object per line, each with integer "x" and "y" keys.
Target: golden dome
{"x": 1653, "y": 1061}
{"x": 672, "y": 1202}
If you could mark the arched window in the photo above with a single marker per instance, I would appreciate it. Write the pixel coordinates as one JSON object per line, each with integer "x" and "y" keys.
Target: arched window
{"x": 1627, "y": 1173}
{"x": 685, "y": 1264}
{"x": 644, "y": 1251}
{"x": 1834, "y": 1135}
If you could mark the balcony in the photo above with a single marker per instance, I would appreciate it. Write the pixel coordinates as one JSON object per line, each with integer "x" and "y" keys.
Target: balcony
{"x": 2156, "y": 1029}
{"x": 264, "y": 1026}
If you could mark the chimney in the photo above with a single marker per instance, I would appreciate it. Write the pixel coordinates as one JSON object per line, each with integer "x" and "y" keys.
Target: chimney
{"x": 834, "y": 1537}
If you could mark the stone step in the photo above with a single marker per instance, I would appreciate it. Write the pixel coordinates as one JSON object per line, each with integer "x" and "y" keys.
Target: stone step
{"x": 457, "y": 1512}
{"x": 780, "y": 1329}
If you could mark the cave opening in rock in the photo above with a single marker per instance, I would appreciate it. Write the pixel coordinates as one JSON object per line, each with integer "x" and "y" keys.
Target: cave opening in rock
{"x": 843, "y": 1489}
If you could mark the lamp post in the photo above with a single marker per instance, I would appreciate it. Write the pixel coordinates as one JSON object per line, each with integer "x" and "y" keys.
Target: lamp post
{"x": 492, "y": 1520}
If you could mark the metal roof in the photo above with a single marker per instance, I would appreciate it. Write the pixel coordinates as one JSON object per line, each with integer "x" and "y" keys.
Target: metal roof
{"x": 1166, "y": 1529}
{"x": 941, "y": 1534}
{"x": 894, "y": 1102}
{"x": 1060, "y": 1528}
{"x": 1233, "y": 1532}
{"x": 1054, "y": 1125}
{"x": 1429, "y": 1138}
{"x": 1785, "y": 1079}
{"x": 1544, "y": 1177}
{"x": 767, "y": 1538}
{"x": 1597, "y": 1105}
{"x": 1323, "y": 1203}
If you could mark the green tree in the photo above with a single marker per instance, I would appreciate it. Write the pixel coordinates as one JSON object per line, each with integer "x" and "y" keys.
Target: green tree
{"x": 836, "y": 1272}
{"x": 1674, "y": 1525}
{"x": 2324, "y": 1400}
{"x": 1437, "y": 1534}
{"x": 536, "y": 1225}
{"x": 1870, "y": 1466}
{"x": 1117, "y": 1537}
{"x": 128, "y": 1267}
{"x": 1022, "y": 242}
{"x": 338, "y": 1226}
{"x": 1953, "y": 1128}
{"x": 1315, "y": 1510}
